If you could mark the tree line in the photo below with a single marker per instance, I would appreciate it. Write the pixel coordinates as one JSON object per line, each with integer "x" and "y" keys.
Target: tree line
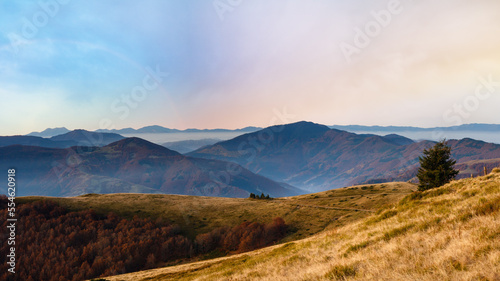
{"x": 262, "y": 196}
{"x": 53, "y": 243}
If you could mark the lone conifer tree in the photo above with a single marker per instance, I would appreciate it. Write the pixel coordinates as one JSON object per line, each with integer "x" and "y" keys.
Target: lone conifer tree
{"x": 436, "y": 167}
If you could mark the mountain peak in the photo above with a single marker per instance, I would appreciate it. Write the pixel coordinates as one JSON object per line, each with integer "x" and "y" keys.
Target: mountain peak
{"x": 86, "y": 138}
{"x": 305, "y": 125}
{"x": 397, "y": 139}
{"x": 155, "y": 129}
{"x": 50, "y": 132}
{"x": 301, "y": 129}
{"x": 135, "y": 144}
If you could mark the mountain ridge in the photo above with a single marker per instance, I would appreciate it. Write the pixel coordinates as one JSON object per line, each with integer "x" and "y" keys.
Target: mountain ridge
{"x": 130, "y": 165}
{"x": 470, "y": 127}
{"x": 325, "y": 158}
{"x": 87, "y": 138}
{"x": 71, "y": 138}
{"x": 50, "y": 132}
{"x": 153, "y": 129}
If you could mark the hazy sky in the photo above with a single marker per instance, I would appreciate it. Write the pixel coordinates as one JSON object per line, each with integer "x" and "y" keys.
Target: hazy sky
{"x": 236, "y": 63}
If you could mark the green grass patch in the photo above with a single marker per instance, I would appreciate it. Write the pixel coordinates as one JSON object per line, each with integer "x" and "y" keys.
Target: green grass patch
{"x": 465, "y": 216}
{"x": 419, "y": 195}
{"x": 357, "y": 247}
{"x": 430, "y": 223}
{"x": 283, "y": 250}
{"x": 295, "y": 259}
{"x": 483, "y": 251}
{"x": 469, "y": 193}
{"x": 341, "y": 272}
{"x": 492, "y": 188}
{"x": 397, "y": 232}
{"x": 457, "y": 265}
{"x": 384, "y": 215}
{"x": 487, "y": 207}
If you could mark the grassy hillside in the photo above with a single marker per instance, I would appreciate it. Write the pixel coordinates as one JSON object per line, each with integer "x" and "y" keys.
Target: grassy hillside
{"x": 306, "y": 214}
{"x": 449, "y": 233}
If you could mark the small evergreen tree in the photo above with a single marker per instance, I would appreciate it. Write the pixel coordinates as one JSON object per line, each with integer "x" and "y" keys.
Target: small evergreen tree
{"x": 262, "y": 196}
{"x": 252, "y": 196}
{"x": 267, "y": 197}
{"x": 436, "y": 166}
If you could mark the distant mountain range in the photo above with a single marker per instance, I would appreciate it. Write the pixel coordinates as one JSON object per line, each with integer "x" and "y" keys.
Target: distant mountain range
{"x": 47, "y": 133}
{"x": 484, "y": 132}
{"x": 87, "y": 138}
{"x": 65, "y": 140}
{"x": 130, "y": 165}
{"x": 315, "y": 158}
{"x": 404, "y": 130}
{"x": 159, "y": 129}
{"x": 276, "y": 160}
{"x": 465, "y": 127}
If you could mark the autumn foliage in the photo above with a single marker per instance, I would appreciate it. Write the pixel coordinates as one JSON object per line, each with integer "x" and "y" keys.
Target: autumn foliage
{"x": 245, "y": 237}
{"x": 55, "y": 244}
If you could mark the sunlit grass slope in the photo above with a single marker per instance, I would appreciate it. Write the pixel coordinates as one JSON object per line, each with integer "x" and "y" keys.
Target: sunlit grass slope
{"x": 306, "y": 214}
{"x": 449, "y": 233}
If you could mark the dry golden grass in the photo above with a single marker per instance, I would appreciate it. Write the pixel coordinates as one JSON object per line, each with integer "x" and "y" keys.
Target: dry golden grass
{"x": 307, "y": 214}
{"x": 449, "y": 233}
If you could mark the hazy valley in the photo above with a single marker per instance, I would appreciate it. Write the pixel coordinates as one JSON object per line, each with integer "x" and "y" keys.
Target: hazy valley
{"x": 282, "y": 160}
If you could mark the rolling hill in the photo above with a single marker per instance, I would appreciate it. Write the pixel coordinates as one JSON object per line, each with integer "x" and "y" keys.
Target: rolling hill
{"x": 65, "y": 140}
{"x": 307, "y": 214}
{"x": 34, "y": 141}
{"x": 86, "y": 138}
{"x": 315, "y": 158}
{"x": 101, "y": 235}
{"x": 130, "y": 165}
{"x": 448, "y": 233}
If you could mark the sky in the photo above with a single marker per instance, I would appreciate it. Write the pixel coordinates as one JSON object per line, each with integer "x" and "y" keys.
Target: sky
{"x": 236, "y": 63}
